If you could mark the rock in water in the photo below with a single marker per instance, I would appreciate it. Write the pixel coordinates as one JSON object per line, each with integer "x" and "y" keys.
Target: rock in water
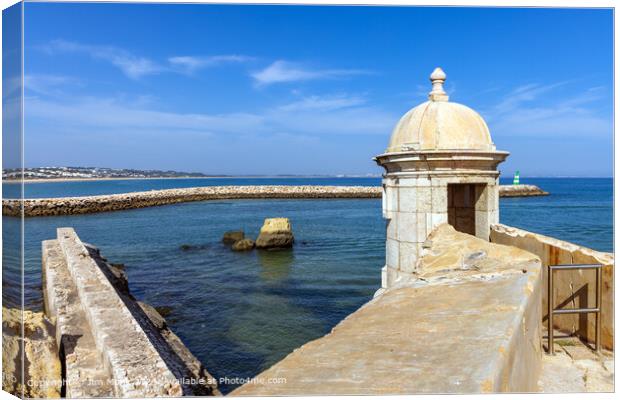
{"x": 521, "y": 191}
{"x": 243, "y": 245}
{"x": 154, "y": 316}
{"x": 275, "y": 233}
{"x": 42, "y": 364}
{"x": 164, "y": 311}
{"x": 231, "y": 237}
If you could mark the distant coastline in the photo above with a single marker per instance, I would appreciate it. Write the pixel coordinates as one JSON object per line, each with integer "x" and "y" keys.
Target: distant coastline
{"x": 60, "y": 180}
{"x": 87, "y": 174}
{"x": 43, "y": 180}
{"x": 69, "y": 172}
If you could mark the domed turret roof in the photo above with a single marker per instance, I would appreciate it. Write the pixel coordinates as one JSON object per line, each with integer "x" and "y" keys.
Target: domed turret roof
{"x": 438, "y": 124}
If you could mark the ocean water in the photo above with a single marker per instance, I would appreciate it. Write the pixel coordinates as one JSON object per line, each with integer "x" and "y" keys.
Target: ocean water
{"x": 92, "y": 188}
{"x": 241, "y": 312}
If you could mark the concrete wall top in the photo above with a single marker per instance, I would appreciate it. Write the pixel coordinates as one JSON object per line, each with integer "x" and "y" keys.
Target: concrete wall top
{"x": 111, "y": 345}
{"x": 137, "y": 367}
{"x": 472, "y": 326}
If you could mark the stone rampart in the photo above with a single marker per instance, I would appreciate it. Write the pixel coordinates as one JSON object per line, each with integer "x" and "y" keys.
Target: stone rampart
{"x": 573, "y": 289}
{"x": 109, "y": 344}
{"x": 125, "y": 201}
{"x": 471, "y": 323}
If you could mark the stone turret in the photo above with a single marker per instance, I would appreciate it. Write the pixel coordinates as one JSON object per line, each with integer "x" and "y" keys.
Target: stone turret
{"x": 440, "y": 167}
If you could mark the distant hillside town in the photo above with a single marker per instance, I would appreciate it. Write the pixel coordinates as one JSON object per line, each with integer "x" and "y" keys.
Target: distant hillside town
{"x": 93, "y": 173}
{"x": 120, "y": 173}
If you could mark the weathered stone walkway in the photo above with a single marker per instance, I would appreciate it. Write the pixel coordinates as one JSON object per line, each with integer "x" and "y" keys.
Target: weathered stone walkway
{"x": 575, "y": 367}
{"x": 431, "y": 335}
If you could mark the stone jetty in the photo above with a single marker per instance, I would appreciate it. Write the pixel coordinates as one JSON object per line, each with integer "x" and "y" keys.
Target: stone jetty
{"x": 126, "y": 201}
{"x": 110, "y": 344}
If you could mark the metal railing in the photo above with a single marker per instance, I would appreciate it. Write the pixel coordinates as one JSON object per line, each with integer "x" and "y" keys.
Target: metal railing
{"x": 596, "y": 310}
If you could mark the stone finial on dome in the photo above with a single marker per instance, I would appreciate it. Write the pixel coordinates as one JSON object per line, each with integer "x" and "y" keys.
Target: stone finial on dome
{"x": 438, "y": 77}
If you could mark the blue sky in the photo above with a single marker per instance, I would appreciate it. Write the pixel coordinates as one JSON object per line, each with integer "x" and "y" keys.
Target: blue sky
{"x": 11, "y": 86}
{"x": 308, "y": 89}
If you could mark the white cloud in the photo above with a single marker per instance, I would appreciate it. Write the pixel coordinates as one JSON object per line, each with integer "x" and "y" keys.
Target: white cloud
{"x": 523, "y": 94}
{"x": 108, "y": 115}
{"x": 134, "y": 66}
{"x": 284, "y": 71}
{"x": 48, "y": 84}
{"x": 190, "y": 64}
{"x": 12, "y": 102}
{"x": 334, "y": 102}
{"x": 534, "y": 110}
{"x": 311, "y": 117}
{"x": 131, "y": 65}
{"x": 11, "y": 86}
{"x": 12, "y": 110}
{"x": 332, "y": 114}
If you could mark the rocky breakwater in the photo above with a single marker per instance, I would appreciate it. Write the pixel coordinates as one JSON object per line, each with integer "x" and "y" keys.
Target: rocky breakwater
{"x": 521, "y": 191}
{"x": 125, "y": 201}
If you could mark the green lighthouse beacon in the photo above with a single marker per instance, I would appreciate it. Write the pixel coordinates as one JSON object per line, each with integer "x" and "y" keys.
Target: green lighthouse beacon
{"x": 515, "y": 181}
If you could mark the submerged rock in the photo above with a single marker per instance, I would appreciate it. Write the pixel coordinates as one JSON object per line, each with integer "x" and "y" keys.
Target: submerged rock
{"x": 207, "y": 385}
{"x": 243, "y": 245}
{"x": 192, "y": 247}
{"x": 42, "y": 365}
{"x": 154, "y": 316}
{"x": 114, "y": 271}
{"x": 164, "y": 311}
{"x": 275, "y": 233}
{"x": 231, "y": 237}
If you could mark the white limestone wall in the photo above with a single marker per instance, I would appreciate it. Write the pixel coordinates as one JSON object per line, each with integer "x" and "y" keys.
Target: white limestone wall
{"x": 414, "y": 206}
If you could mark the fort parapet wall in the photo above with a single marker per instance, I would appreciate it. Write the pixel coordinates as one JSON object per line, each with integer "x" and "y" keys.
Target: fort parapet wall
{"x": 110, "y": 344}
{"x": 470, "y": 324}
{"x": 125, "y": 201}
{"x": 573, "y": 289}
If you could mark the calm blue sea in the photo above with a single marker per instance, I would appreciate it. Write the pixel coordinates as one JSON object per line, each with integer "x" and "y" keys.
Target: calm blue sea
{"x": 241, "y": 312}
{"x": 91, "y": 188}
